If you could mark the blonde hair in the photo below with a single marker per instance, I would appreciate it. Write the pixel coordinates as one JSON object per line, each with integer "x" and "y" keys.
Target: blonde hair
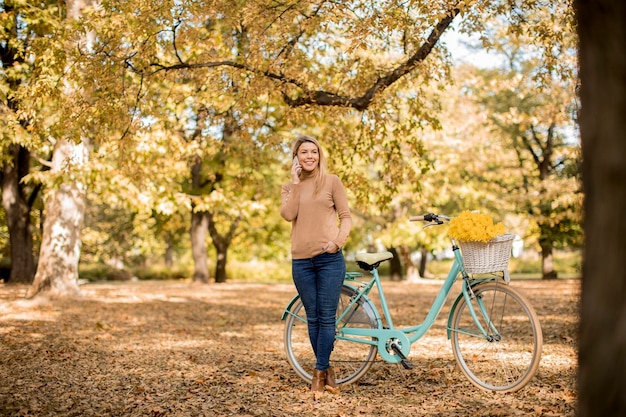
{"x": 320, "y": 175}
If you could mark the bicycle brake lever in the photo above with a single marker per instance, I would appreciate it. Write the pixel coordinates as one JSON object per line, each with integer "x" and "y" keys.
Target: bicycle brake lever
{"x": 434, "y": 223}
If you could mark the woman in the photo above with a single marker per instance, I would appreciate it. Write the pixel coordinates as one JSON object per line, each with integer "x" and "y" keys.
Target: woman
{"x": 317, "y": 206}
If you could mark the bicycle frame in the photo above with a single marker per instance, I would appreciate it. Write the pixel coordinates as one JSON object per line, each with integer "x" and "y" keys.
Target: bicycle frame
{"x": 406, "y": 336}
{"x": 496, "y": 354}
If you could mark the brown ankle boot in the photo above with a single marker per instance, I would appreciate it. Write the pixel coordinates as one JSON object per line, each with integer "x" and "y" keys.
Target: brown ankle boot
{"x": 319, "y": 380}
{"x": 331, "y": 383}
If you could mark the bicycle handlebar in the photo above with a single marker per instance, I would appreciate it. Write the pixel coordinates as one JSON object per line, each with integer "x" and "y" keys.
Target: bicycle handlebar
{"x": 430, "y": 217}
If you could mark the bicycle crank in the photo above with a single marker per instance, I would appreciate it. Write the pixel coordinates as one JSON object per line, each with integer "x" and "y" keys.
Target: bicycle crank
{"x": 395, "y": 347}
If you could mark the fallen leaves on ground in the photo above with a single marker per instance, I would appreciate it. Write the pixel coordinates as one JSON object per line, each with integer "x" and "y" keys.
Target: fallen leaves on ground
{"x": 181, "y": 349}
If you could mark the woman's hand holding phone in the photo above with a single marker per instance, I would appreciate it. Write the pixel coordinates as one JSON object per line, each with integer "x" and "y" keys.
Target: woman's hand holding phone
{"x": 296, "y": 168}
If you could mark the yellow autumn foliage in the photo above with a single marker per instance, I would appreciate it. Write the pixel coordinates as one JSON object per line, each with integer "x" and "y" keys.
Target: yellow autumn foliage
{"x": 477, "y": 227}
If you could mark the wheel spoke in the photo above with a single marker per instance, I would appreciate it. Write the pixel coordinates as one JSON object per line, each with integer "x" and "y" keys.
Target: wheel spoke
{"x": 350, "y": 360}
{"x": 510, "y": 360}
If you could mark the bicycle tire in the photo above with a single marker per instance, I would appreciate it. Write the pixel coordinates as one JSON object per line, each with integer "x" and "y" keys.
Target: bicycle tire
{"x": 508, "y": 362}
{"x": 350, "y": 360}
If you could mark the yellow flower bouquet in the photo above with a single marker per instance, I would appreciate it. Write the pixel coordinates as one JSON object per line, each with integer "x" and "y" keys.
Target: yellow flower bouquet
{"x": 485, "y": 246}
{"x": 474, "y": 227}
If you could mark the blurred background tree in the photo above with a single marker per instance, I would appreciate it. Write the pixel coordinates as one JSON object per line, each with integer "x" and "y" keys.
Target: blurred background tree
{"x": 189, "y": 109}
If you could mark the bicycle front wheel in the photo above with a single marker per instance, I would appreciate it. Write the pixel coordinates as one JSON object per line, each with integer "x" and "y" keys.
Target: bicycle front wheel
{"x": 350, "y": 360}
{"x": 508, "y": 358}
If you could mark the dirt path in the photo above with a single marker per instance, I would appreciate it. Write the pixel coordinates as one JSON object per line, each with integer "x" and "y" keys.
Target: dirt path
{"x": 177, "y": 349}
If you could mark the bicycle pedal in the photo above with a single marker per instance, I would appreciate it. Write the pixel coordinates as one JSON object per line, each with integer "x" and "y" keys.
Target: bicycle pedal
{"x": 407, "y": 364}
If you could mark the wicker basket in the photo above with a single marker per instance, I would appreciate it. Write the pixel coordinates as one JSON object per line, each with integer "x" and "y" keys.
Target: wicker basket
{"x": 493, "y": 256}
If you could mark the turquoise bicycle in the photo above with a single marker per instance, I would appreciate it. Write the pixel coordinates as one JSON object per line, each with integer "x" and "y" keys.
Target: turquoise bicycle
{"x": 495, "y": 333}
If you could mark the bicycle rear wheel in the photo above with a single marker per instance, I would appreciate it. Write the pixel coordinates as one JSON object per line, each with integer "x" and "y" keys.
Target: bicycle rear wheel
{"x": 350, "y": 360}
{"x": 509, "y": 358}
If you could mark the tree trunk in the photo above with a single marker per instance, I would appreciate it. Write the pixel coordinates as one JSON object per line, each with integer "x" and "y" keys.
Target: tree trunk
{"x": 220, "y": 265}
{"x": 547, "y": 260}
{"x": 395, "y": 266}
{"x": 17, "y": 210}
{"x": 169, "y": 253}
{"x": 412, "y": 271}
{"x": 221, "y": 244}
{"x": 199, "y": 227}
{"x": 57, "y": 272}
{"x": 602, "y": 350}
{"x": 423, "y": 261}
{"x": 412, "y": 274}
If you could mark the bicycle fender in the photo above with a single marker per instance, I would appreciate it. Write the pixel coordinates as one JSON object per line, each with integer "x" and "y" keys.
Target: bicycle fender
{"x": 287, "y": 309}
{"x": 454, "y": 306}
{"x": 452, "y": 309}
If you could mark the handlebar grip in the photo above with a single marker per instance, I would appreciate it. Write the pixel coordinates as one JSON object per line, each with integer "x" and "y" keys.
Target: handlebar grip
{"x": 430, "y": 217}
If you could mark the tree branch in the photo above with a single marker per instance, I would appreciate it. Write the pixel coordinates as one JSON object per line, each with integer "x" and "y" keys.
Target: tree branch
{"x": 324, "y": 98}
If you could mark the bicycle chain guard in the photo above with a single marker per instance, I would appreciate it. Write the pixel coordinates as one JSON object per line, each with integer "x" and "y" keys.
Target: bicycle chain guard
{"x": 383, "y": 346}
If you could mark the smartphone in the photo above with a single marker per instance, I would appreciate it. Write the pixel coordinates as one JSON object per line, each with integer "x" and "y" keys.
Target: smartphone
{"x": 297, "y": 163}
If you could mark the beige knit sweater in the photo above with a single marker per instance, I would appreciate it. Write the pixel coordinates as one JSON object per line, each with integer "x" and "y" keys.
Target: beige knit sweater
{"x": 316, "y": 220}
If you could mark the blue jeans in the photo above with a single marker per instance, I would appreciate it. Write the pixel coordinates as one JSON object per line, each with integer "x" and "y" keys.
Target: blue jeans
{"x": 319, "y": 281}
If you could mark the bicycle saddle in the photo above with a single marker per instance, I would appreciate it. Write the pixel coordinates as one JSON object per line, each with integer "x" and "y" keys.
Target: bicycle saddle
{"x": 369, "y": 261}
